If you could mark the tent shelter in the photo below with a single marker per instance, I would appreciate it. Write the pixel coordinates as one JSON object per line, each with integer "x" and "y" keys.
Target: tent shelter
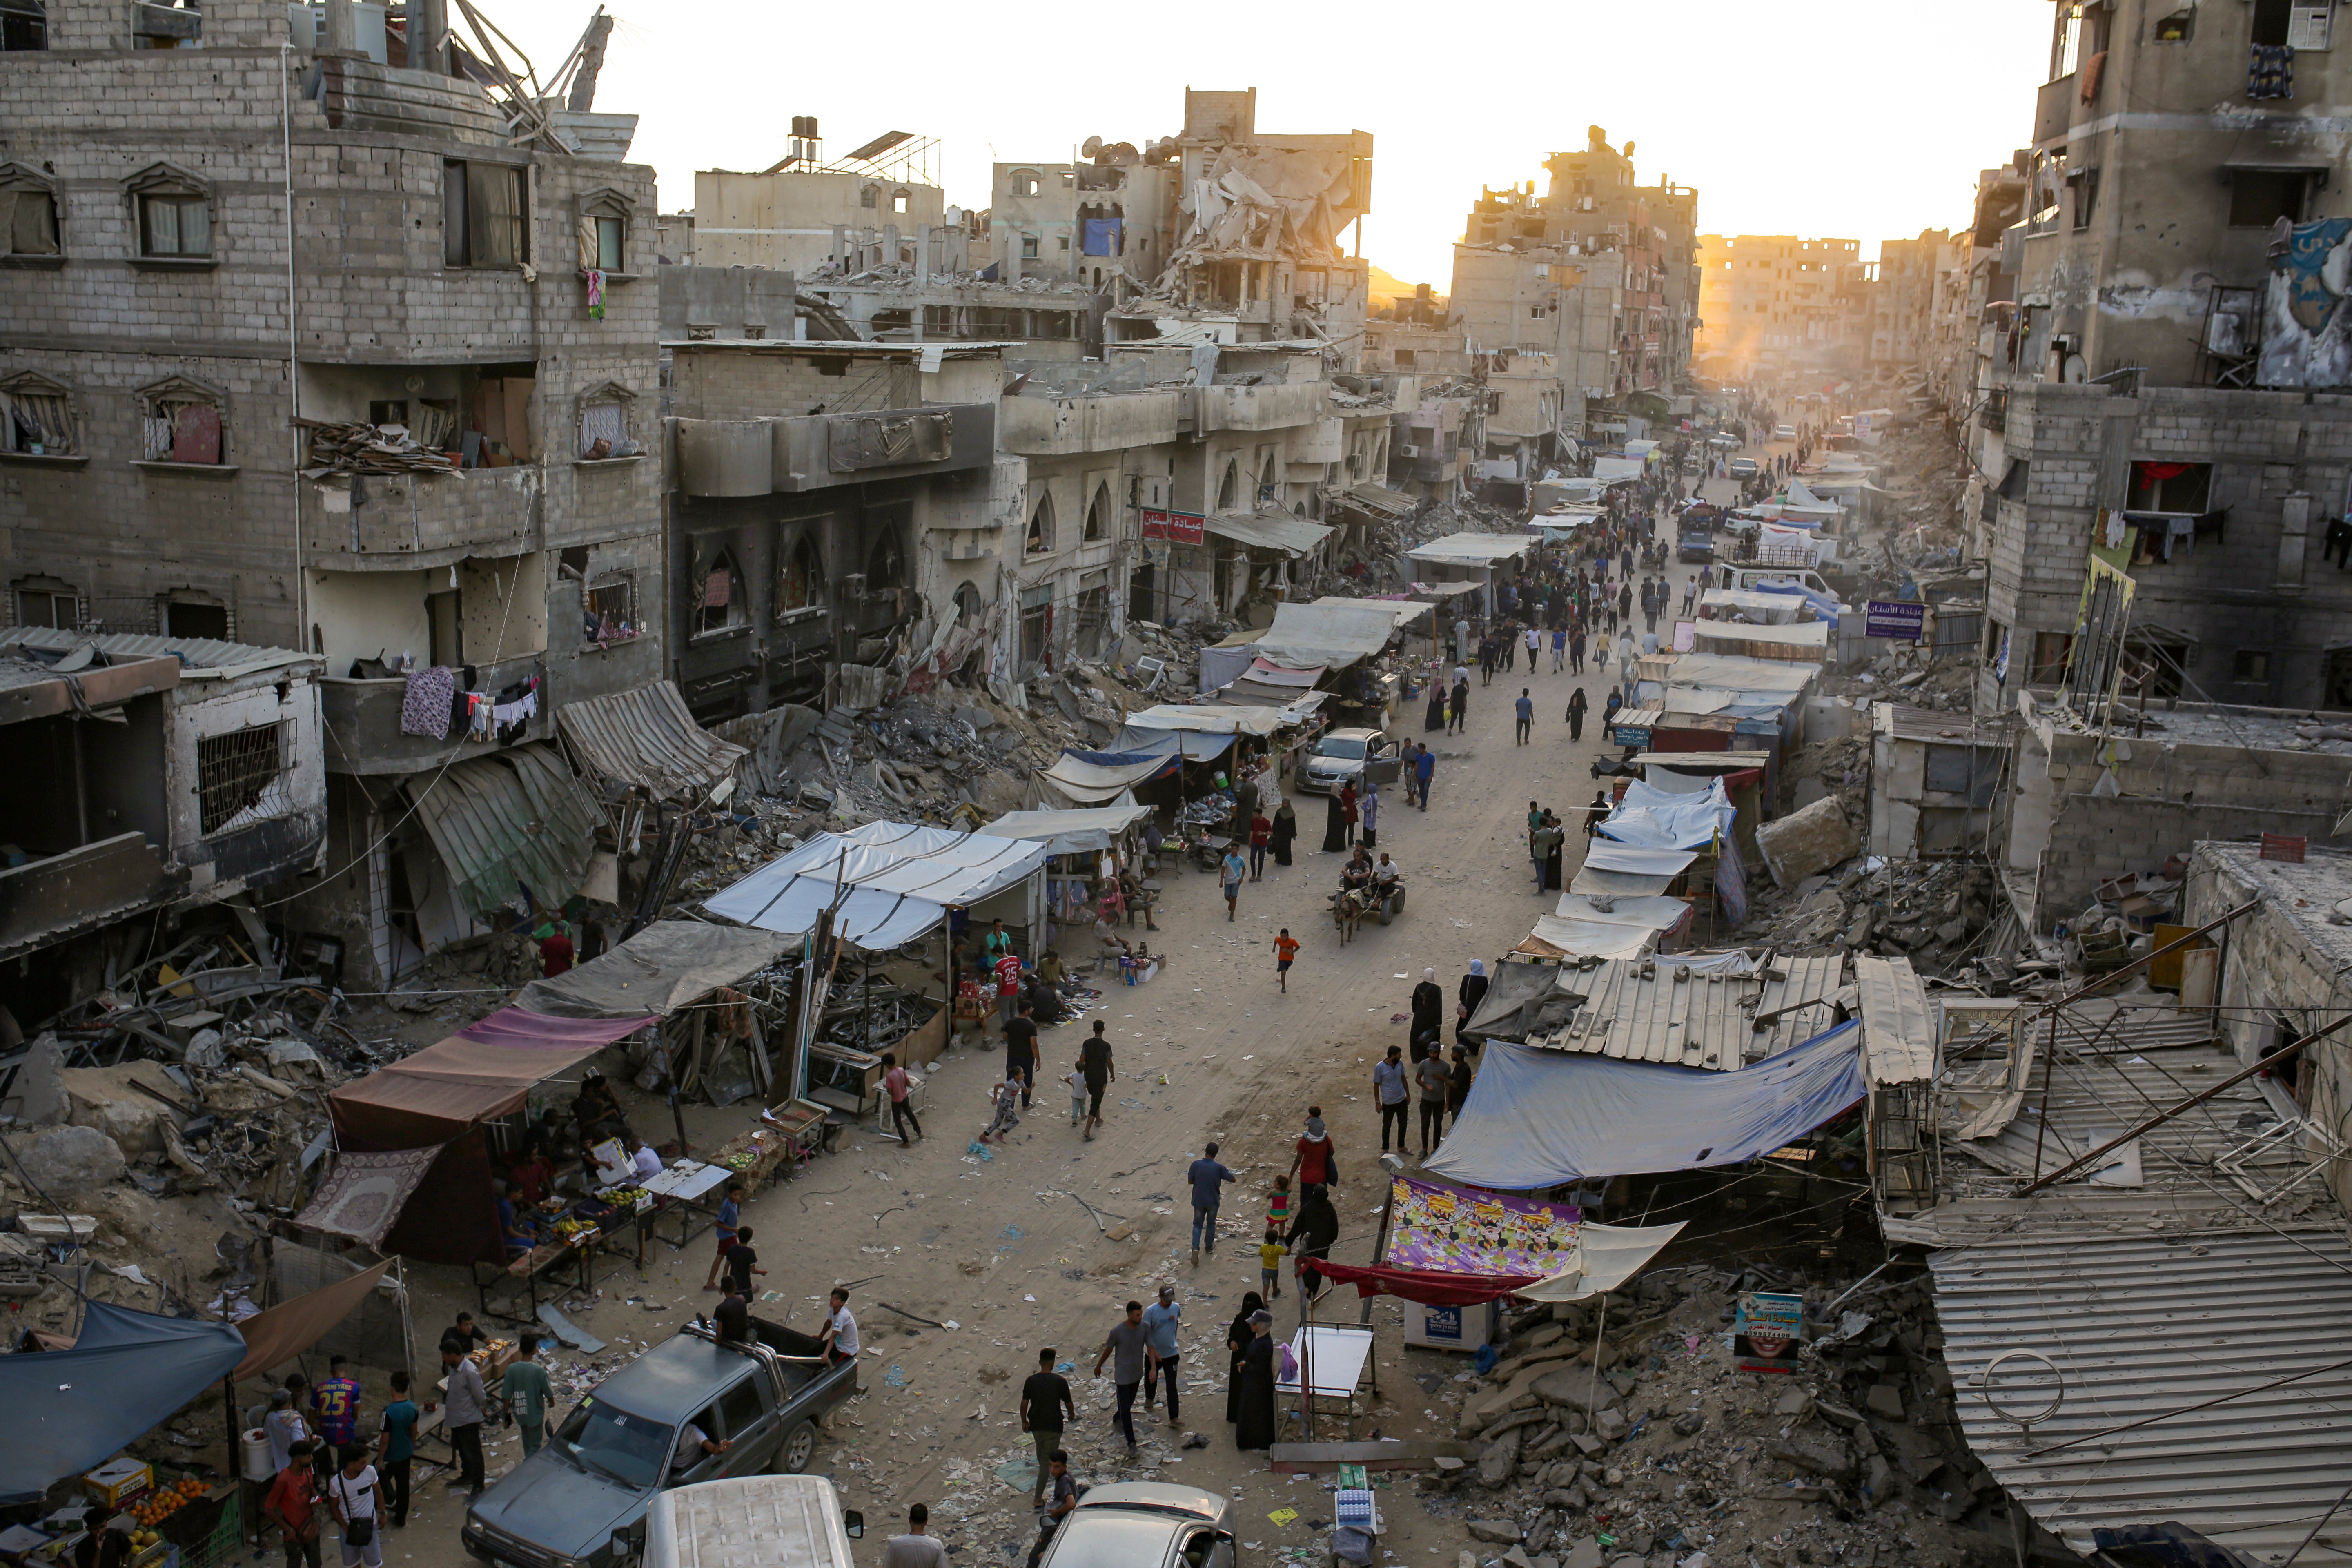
{"x": 70, "y": 1410}
{"x": 892, "y": 881}
{"x": 1069, "y": 832}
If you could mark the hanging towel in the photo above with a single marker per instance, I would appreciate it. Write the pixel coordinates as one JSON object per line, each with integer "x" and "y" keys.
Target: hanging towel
{"x": 596, "y": 295}
{"x": 424, "y": 705}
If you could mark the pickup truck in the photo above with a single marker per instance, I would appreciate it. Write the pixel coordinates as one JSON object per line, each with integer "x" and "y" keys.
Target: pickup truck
{"x": 1693, "y": 541}
{"x": 581, "y": 1502}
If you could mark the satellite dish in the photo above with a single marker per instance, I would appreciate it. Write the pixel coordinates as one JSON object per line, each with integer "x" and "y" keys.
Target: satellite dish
{"x": 2074, "y": 372}
{"x": 1629, "y": 149}
{"x": 1093, "y": 145}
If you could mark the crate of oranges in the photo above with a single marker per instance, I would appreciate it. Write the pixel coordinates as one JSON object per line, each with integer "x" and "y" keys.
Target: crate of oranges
{"x": 152, "y": 1509}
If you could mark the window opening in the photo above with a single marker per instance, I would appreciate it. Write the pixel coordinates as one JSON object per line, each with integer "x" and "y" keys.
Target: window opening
{"x": 719, "y": 598}
{"x": 175, "y": 225}
{"x": 233, "y": 772}
{"x": 800, "y": 582}
{"x": 1098, "y": 515}
{"x": 1041, "y": 527}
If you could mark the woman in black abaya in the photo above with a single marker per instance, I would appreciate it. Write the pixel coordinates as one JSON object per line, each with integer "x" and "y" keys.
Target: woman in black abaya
{"x": 1254, "y": 1427}
{"x": 1237, "y": 1343}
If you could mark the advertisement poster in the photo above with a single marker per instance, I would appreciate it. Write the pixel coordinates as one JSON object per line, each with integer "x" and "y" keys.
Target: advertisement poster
{"x": 1178, "y": 527}
{"x": 1768, "y": 1331}
{"x": 1477, "y": 1233}
{"x": 1905, "y": 620}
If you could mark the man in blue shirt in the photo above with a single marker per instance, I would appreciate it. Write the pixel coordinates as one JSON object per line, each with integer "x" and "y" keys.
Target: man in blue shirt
{"x": 1525, "y": 709}
{"x": 730, "y": 1215}
{"x": 1424, "y": 767}
{"x": 1160, "y": 1322}
{"x": 1208, "y": 1178}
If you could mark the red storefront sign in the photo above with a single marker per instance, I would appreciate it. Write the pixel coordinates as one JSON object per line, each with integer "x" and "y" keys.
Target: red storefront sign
{"x": 1178, "y": 527}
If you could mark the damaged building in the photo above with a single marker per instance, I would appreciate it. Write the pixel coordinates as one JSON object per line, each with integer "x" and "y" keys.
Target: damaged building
{"x": 436, "y": 476}
{"x": 2165, "y": 388}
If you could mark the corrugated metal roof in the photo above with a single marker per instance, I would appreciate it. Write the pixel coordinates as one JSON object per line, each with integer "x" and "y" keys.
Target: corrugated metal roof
{"x": 2143, "y": 1325}
{"x": 1290, "y": 535}
{"x": 515, "y": 816}
{"x": 1898, "y": 1026}
{"x": 200, "y": 656}
{"x": 1655, "y": 1010}
{"x": 647, "y": 738}
{"x": 1800, "y": 990}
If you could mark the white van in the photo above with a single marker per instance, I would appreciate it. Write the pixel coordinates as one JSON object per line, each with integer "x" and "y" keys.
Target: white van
{"x": 752, "y": 1522}
{"x": 1743, "y": 577}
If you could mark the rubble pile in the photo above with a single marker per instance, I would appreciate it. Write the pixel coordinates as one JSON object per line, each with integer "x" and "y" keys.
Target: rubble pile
{"x": 1643, "y": 1446}
{"x": 368, "y": 449}
{"x": 1933, "y": 911}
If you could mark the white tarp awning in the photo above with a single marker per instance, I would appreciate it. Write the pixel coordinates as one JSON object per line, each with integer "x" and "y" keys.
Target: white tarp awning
{"x": 1593, "y": 938}
{"x": 1399, "y": 610}
{"x": 1625, "y": 869}
{"x": 1090, "y": 782}
{"x": 899, "y": 879}
{"x": 1334, "y": 634}
{"x": 1472, "y": 549}
{"x": 1604, "y": 1257}
{"x": 1291, "y": 536}
{"x": 1650, "y": 914}
{"x": 1207, "y": 718}
{"x": 1732, "y": 672}
{"x": 1069, "y": 832}
{"x": 1540, "y": 1119}
{"x": 1663, "y": 819}
{"x": 1609, "y": 471}
{"x": 1792, "y": 634}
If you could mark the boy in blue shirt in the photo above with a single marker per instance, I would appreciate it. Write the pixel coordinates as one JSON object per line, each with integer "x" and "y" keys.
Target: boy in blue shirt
{"x": 730, "y": 1216}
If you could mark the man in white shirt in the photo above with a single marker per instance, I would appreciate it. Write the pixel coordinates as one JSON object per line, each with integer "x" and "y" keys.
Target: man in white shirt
{"x": 1386, "y": 871}
{"x": 351, "y": 1496}
{"x": 693, "y": 1446}
{"x": 915, "y": 1549}
{"x": 840, "y": 1330}
{"x": 644, "y": 1163}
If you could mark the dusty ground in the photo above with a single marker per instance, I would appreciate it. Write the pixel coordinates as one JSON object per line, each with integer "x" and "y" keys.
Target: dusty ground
{"x": 1209, "y": 1050}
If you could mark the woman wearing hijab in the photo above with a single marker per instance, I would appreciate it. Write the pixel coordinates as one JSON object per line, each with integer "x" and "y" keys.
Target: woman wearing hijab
{"x": 1459, "y": 717}
{"x": 1576, "y": 709}
{"x": 1335, "y": 826}
{"x": 1371, "y": 812}
{"x": 1312, "y": 1234}
{"x": 1254, "y": 1424}
{"x": 1428, "y": 1009}
{"x": 1348, "y": 809}
{"x": 1237, "y": 1343}
{"x": 1435, "y": 719}
{"x": 1285, "y": 831}
{"x": 1554, "y": 837}
{"x": 1472, "y": 991}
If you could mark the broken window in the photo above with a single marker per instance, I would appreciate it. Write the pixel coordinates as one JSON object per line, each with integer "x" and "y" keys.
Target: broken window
{"x": 898, "y": 200}
{"x": 28, "y": 211}
{"x": 604, "y": 425}
{"x": 800, "y": 582}
{"x": 45, "y": 602}
{"x": 2049, "y": 650}
{"x": 24, "y": 25}
{"x": 1024, "y": 183}
{"x": 1402, "y": 357}
{"x": 2338, "y": 691}
{"x": 886, "y": 564}
{"x": 36, "y": 418}
{"x": 181, "y": 422}
{"x": 1098, "y": 515}
{"x": 1036, "y": 629}
{"x": 1093, "y": 620}
{"x": 1041, "y": 527}
{"x": 868, "y": 196}
{"x": 1964, "y": 771}
{"x": 2083, "y": 184}
{"x": 235, "y": 775}
{"x": 1029, "y": 246}
{"x": 483, "y": 212}
{"x": 718, "y": 596}
{"x": 2177, "y": 28}
{"x": 2272, "y": 20}
{"x": 2251, "y": 665}
{"x": 191, "y": 617}
{"x": 2260, "y": 197}
{"x": 609, "y": 609}
{"x": 2171, "y": 487}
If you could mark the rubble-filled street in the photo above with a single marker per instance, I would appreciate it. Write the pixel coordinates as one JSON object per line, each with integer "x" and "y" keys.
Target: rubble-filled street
{"x": 1089, "y": 836}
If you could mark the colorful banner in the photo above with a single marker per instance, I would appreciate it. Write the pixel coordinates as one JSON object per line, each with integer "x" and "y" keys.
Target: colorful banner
{"x": 1456, "y": 1232}
{"x": 1766, "y": 1331}
{"x": 1904, "y": 620}
{"x": 1179, "y": 527}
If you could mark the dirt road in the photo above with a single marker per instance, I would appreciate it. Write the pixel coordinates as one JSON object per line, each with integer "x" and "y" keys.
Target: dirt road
{"x": 1208, "y": 1050}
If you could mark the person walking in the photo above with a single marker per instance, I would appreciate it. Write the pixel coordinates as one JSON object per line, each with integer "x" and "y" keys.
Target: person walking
{"x": 465, "y": 1403}
{"x": 1424, "y": 768}
{"x": 1311, "y": 1235}
{"x": 528, "y": 1392}
{"x": 351, "y": 1496}
{"x": 1045, "y": 1409}
{"x": 1095, "y": 1062}
{"x": 1459, "y": 719}
{"x": 1458, "y": 1083}
{"x": 1559, "y": 647}
{"x": 1347, "y": 814}
{"x": 1020, "y": 1050}
{"x": 1429, "y": 1076}
{"x": 1162, "y": 1326}
{"x": 1428, "y": 1009}
{"x": 1389, "y": 1086}
{"x": 1208, "y": 1176}
{"x": 731, "y": 1215}
{"x": 395, "y": 1449}
{"x": 1131, "y": 1343}
{"x": 1312, "y": 1163}
{"x": 1285, "y": 832}
{"x": 1237, "y": 1342}
{"x": 917, "y": 1549}
{"x": 1261, "y": 836}
{"x": 1609, "y": 709}
{"x": 1230, "y": 870}
{"x": 1576, "y": 650}
{"x": 1370, "y": 810}
{"x": 1576, "y": 710}
{"x": 1468, "y": 996}
{"x": 1525, "y": 709}
{"x": 1253, "y": 1385}
{"x": 1004, "y": 1105}
{"x": 897, "y": 1085}
{"x": 1550, "y": 837}
{"x": 1286, "y": 953}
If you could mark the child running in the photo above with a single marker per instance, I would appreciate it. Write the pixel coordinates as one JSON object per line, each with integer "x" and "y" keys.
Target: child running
{"x": 1007, "y": 1097}
{"x": 1285, "y": 950}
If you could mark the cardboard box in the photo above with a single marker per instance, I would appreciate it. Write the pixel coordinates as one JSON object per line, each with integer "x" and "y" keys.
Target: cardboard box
{"x": 117, "y": 1480}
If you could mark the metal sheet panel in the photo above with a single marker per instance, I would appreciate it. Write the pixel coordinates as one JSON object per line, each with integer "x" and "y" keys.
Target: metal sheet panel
{"x": 200, "y": 656}
{"x": 1290, "y": 535}
{"x": 2148, "y": 1324}
{"x": 1899, "y": 1028}
{"x": 518, "y": 818}
{"x": 645, "y": 738}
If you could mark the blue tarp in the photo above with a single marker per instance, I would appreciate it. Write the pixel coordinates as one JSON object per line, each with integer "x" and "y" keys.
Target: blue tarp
{"x": 1537, "y": 1118}
{"x": 1100, "y": 236}
{"x": 1823, "y": 604}
{"x": 71, "y": 1410}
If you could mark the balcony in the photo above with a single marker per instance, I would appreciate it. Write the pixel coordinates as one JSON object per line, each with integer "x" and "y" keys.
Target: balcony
{"x": 398, "y": 522}
{"x": 2053, "y": 111}
{"x": 1106, "y": 422}
{"x": 363, "y": 734}
{"x": 1275, "y": 407}
{"x": 49, "y": 900}
{"x": 818, "y": 451}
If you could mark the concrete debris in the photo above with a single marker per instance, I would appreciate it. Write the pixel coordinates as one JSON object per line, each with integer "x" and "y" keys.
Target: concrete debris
{"x": 1813, "y": 838}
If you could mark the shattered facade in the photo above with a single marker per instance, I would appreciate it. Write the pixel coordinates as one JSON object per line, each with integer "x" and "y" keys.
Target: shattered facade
{"x": 1775, "y": 303}
{"x": 456, "y": 467}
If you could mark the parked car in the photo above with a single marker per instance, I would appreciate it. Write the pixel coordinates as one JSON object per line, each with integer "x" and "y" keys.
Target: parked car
{"x": 1145, "y": 1524}
{"x": 1784, "y": 432}
{"x": 1743, "y": 468}
{"x": 1340, "y": 755}
{"x": 580, "y": 1500}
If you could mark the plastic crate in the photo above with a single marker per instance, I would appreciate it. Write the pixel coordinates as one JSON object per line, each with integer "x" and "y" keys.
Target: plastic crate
{"x": 225, "y": 1543}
